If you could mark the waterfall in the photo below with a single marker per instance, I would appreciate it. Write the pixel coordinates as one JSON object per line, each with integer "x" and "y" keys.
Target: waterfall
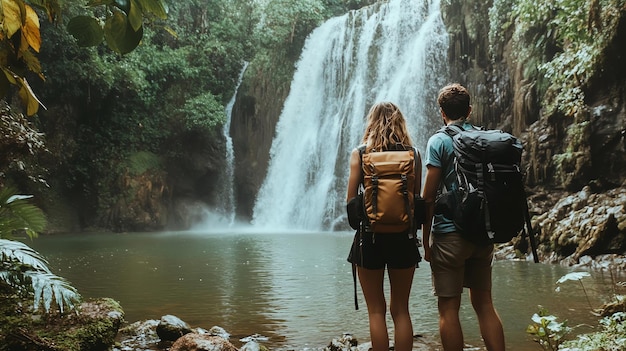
{"x": 227, "y": 195}
{"x": 392, "y": 51}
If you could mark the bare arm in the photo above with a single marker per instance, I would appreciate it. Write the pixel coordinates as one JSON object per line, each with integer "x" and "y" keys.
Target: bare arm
{"x": 431, "y": 184}
{"x": 355, "y": 174}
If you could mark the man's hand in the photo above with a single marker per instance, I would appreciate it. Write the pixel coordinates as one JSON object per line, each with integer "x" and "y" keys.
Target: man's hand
{"x": 427, "y": 252}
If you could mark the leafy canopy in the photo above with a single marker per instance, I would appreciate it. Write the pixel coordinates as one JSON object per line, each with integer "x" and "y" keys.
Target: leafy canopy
{"x": 122, "y": 27}
{"x": 20, "y": 38}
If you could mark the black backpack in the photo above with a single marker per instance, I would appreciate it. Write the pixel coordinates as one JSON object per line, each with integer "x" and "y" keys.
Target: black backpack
{"x": 490, "y": 205}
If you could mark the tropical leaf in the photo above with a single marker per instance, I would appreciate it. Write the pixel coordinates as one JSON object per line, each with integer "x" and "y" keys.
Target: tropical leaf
{"x": 86, "y": 30}
{"x": 28, "y": 97}
{"x": 120, "y": 35}
{"x": 16, "y": 214}
{"x": 12, "y": 20}
{"x": 23, "y": 268}
{"x": 32, "y": 62}
{"x": 50, "y": 7}
{"x": 156, "y": 7}
{"x": 30, "y": 29}
{"x": 135, "y": 16}
{"x": 49, "y": 288}
{"x": 16, "y": 251}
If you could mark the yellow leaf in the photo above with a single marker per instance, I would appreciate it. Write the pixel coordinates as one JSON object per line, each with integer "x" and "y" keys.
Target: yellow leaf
{"x": 23, "y": 45}
{"x": 12, "y": 17}
{"x": 171, "y": 31}
{"x": 32, "y": 62}
{"x": 10, "y": 75}
{"x": 31, "y": 29}
{"x": 28, "y": 98}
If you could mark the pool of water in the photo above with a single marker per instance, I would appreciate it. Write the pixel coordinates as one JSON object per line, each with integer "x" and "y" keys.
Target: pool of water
{"x": 294, "y": 288}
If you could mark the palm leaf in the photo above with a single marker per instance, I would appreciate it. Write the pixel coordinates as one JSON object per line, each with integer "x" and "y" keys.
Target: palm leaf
{"x": 15, "y": 251}
{"x": 24, "y": 268}
{"x": 16, "y": 214}
{"x": 50, "y": 288}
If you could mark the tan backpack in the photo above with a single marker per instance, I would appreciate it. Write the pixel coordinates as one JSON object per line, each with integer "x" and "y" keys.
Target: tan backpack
{"x": 388, "y": 189}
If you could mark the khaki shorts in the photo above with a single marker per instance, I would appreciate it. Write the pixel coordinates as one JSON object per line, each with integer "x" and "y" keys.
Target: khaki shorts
{"x": 456, "y": 263}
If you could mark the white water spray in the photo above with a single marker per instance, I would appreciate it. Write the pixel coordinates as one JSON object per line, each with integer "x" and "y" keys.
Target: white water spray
{"x": 393, "y": 51}
{"x": 227, "y": 195}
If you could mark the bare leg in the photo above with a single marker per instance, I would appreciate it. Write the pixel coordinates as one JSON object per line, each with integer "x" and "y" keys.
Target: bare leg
{"x": 401, "y": 281}
{"x": 372, "y": 284}
{"x": 488, "y": 319}
{"x": 449, "y": 324}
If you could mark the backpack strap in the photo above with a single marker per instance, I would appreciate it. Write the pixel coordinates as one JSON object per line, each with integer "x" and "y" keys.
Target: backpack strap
{"x": 361, "y": 149}
{"x": 453, "y": 129}
{"x": 529, "y": 225}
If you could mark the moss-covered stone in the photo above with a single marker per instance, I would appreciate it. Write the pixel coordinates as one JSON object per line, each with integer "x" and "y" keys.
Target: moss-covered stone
{"x": 92, "y": 327}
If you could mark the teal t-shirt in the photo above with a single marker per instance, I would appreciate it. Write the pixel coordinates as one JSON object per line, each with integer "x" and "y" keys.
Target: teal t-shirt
{"x": 440, "y": 154}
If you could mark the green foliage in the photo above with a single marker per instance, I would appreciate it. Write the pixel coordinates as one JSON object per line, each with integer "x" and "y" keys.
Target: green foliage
{"x": 500, "y": 22}
{"x": 20, "y": 39}
{"x": 86, "y": 29}
{"x": 17, "y": 216}
{"x": 123, "y": 23}
{"x": 203, "y": 113}
{"x": 141, "y": 161}
{"x": 120, "y": 35}
{"x": 23, "y": 268}
{"x": 547, "y": 330}
{"x": 568, "y": 36}
{"x": 612, "y": 337}
{"x": 576, "y": 157}
{"x": 286, "y": 23}
{"x": 551, "y": 334}
{"x": 19, "y": 143}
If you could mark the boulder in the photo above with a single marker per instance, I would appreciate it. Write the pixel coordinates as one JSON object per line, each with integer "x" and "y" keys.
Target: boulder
{"x": 170, "y": 328}
{"x": 202, "y": 342}
{"x": 92, "y": 327}
{"x": 583, "y": 226}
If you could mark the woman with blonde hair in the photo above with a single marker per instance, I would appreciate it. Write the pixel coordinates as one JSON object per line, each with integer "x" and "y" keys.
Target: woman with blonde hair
{"x": 372, "y": 252}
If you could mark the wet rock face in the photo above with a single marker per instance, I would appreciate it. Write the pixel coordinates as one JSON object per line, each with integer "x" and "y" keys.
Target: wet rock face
{"x": 254, "y": 119}
{"x": 584, "y": 224}
{"x": 145, "y": 207}
{"x": 560, "y": 152}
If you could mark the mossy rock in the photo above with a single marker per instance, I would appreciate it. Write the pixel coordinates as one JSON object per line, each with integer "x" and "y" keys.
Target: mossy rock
{"x": 92, "y": 327}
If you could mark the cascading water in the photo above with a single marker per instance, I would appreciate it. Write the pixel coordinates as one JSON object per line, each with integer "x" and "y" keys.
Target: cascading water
{"x": 227, "y": 195}
{"x": 393, "y": 51}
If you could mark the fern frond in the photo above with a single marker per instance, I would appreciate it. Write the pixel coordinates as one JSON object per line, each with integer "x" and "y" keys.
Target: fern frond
{"x": 16, "y": 214}
{"x": 49, "y": 288}
{"x": 15, "y": 251}
{"x": 24, "y": 268}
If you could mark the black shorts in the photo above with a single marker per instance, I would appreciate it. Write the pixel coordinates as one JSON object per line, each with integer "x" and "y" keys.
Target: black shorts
{"x": 377, "y": 251}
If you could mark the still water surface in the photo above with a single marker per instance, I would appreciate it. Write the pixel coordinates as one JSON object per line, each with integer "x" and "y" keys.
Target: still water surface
{"x": 295, "y": 288}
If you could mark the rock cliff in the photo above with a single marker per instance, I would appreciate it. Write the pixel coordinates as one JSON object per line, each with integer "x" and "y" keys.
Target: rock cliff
{"x": 575, "y": 164}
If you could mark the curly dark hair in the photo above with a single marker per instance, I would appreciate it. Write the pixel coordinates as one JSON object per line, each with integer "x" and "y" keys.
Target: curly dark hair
{"x": 454, "y": 100}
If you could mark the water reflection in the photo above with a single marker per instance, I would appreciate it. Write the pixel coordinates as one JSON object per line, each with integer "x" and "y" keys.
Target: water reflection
{"x": 294, "y": 288}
